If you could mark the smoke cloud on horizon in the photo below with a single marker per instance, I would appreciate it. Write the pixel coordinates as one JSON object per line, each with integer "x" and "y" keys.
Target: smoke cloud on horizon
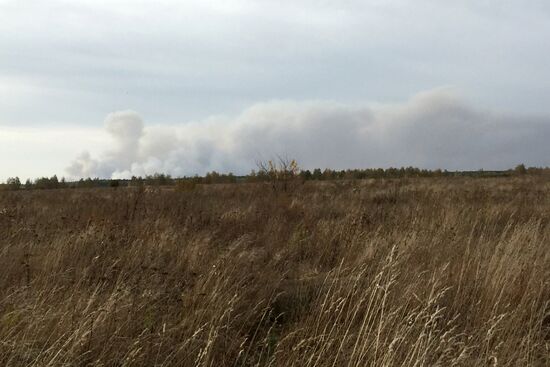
{"x": 433, "y": 129}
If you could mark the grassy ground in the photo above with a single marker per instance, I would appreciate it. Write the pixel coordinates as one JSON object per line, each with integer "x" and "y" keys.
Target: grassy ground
{"x": 418, "y": 272}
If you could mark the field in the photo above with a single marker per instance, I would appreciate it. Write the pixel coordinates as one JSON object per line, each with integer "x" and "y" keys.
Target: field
{"x": 386, "y": 272}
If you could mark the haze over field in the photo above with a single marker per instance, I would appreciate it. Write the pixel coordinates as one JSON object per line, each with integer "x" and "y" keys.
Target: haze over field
{"x": 216, "y": 85}
{"x": 433, "y": 129}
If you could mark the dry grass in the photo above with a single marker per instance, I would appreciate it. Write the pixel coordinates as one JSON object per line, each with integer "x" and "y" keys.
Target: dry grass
{"x": 423, "y": 272}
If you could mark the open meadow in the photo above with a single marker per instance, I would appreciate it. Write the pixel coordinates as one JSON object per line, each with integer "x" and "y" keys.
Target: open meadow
{"x": 381, "y": 272}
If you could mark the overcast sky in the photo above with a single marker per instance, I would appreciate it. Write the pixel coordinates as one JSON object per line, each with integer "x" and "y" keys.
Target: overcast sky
{"x": 113, "y": 88}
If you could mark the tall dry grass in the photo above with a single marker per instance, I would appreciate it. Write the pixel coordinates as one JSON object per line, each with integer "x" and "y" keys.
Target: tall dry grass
{"x": 418, "y": 272}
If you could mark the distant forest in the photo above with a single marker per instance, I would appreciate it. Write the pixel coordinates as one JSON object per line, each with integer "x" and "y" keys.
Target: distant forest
{"x": 261, "y": 175}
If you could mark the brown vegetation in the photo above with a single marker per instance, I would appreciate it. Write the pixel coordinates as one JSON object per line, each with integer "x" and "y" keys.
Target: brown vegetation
{"x": 404, "y": 272}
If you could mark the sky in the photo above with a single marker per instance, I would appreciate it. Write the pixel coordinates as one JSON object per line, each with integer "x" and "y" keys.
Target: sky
{"x": 121, "y": 88}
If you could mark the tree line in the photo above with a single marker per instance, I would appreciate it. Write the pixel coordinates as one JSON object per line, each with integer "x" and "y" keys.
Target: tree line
{"x": 264, "y": 173}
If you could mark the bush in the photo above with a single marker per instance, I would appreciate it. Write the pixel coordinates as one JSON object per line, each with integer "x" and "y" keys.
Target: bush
{"x": 283, "y": 174}
{"x": 13, "y": 183}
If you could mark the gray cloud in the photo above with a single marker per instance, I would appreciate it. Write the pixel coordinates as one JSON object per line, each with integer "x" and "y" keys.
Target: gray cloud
{"x": 434, "y": 129}
{"x": 74, "y": 61}
{"x": 65, "y": 64}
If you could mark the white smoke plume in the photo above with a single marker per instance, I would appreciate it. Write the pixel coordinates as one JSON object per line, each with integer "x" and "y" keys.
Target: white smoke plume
{"x": 434, "y": 129}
